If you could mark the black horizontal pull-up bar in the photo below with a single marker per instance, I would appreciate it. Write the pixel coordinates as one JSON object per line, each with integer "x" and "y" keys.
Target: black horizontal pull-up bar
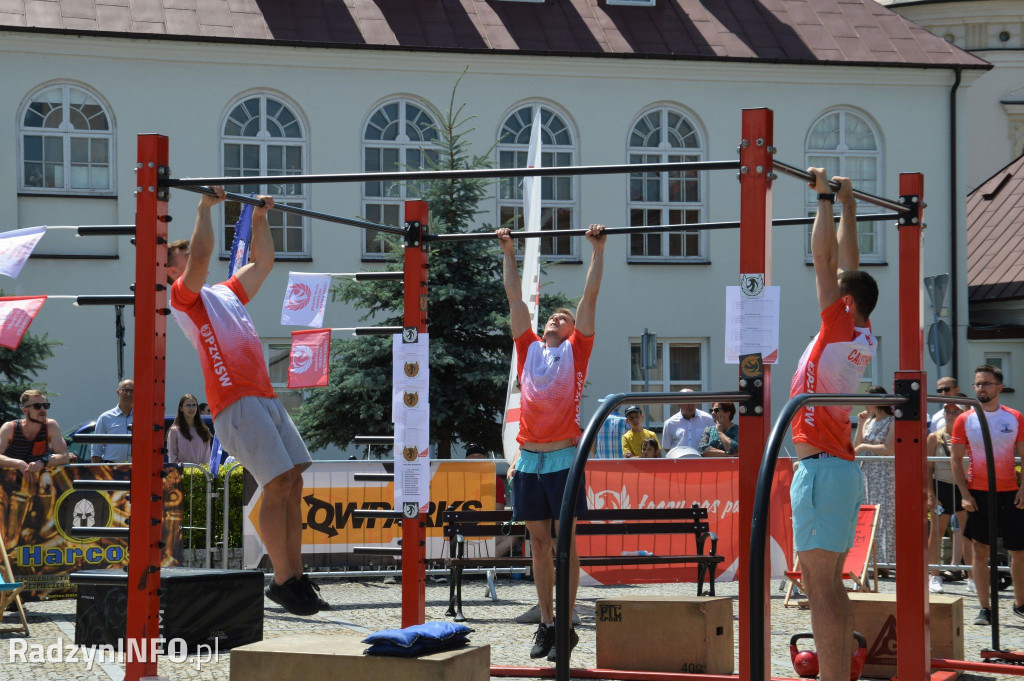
{"x": 645, "y": 229}
{"x": 106, "y": 230}
{"x": 799, "y": 174}
{"x": 284, "y": 208}
{"x": 105, "y": 300}
{"x": 470, "y": 173}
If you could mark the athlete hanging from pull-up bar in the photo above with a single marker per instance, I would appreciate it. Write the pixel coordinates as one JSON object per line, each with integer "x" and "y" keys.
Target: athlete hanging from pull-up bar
{"x": 250, "y": 420}
{"x": 827, "y": 489}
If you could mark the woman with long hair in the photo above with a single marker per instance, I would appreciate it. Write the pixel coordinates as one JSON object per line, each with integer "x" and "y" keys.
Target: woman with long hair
{"x": 875, "y": 437}
{"x": 188, "y": 440}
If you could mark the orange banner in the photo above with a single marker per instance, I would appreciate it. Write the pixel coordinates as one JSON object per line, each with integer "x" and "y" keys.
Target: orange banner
{"x": 679, "y": 483}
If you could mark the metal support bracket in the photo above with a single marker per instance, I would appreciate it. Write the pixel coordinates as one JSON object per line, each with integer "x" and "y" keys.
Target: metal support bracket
{"x": 752, "y": 383}
{"x": 910, "y": 389}
{"x": 911, "y": 214}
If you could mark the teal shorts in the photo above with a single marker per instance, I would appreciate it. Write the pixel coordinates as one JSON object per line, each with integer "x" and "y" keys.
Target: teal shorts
{"x": 826, "y": 495}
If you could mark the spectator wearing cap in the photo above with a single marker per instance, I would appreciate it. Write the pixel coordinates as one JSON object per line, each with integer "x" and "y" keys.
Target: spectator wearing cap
{"x": 685, "y": 427}
{"x": 609, "y": 438}
{"x": 633, "y": 441}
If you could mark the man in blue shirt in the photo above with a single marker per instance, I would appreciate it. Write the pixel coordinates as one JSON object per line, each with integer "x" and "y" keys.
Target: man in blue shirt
{"x": 116, "y": 421}
{"x": 609, "y": 438}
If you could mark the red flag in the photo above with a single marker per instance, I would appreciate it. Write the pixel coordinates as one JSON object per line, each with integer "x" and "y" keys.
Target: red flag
{"x": 310, "y": 358}
{"x": 15, "y": 315}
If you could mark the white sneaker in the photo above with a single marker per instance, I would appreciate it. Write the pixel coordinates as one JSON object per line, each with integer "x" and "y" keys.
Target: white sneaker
{"x": 970, "y": 586}
{"x": 935, "y": 584}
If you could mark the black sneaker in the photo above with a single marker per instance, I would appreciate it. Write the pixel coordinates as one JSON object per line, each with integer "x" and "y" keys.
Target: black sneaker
{"x": 293, "y": 597}
{"x": 313, "y": 591}
{"x": 1018, "y": 610}
{"x": 573, "y": 640}
{"x": 543, "y": 640}
{"x": 984, "y": 618}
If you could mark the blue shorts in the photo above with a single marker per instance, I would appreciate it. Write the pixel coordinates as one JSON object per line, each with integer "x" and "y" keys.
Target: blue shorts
{"x": 539, "y": 485}
{"x": 826, "y": 494}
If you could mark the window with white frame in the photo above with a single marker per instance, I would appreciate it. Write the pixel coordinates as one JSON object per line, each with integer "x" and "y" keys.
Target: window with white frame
{"x": 263, "y": 135}
{"x": 67, "y": 142}
{"x": 278, "y": 356}
{"x": 665, "y": 135}
{"x": 1001, "y": 361}
{"x": 845, "y": 143}
{"x": 685, "y": 369}
{"x": 558, "y": 194}
{"x": 399, "y": 135}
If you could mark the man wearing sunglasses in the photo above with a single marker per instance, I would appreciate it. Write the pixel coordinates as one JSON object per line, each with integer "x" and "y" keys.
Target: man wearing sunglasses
{"x": 947, "y": 385}
{"x": 33, "y": 443}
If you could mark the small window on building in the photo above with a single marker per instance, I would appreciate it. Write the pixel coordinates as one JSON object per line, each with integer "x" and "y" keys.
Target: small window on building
{"x": 685, "y": 369}
{"x": 1001, "y": 361}
{"x": 67, "y": 141}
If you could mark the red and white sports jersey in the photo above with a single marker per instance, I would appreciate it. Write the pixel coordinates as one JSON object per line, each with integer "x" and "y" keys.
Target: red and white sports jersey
{"x": 1006, "y": 428}
{"x": 551, "y": 384}
{"x": 834, "y": 362}
{"x": 230, "y": 351}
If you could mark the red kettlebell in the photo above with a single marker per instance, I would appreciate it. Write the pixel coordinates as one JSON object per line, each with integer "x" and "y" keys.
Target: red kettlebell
{"x": 805, "y": 662}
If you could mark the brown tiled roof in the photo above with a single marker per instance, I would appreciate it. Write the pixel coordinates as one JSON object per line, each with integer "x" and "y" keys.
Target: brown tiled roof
{"x": 816, "y": 31}
{"x": 995, "y": 236}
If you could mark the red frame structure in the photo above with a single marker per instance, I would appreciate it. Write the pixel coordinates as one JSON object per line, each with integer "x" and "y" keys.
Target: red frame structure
{"x": 414, "y": 282}
{"x": 144, "y": 541}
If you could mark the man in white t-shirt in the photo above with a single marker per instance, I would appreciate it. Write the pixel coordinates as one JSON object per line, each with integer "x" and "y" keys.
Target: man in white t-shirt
{"x": 947, "y": 385}
{"x": 684, "y": 428}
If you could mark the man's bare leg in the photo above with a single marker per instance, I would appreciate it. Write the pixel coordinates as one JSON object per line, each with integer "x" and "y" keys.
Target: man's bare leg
{"x": 980, "y": 563}
{"x": 831, "y": 616}
{"x": 294, "y": 531}
{"x": 274, "y": 525}
{"x": 543, "y": 566}
{"x": 1017, "y": 573}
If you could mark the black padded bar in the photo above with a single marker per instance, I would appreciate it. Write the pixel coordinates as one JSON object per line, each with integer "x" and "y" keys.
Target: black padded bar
{"x": 103, "y": 532}
{"x": 378, "y": 550}
{"x": 106, "y": 230}
{"x": 374, "y": 477}
{"x": 103, "y": 438}
{"x": 377, "y": 330}
{"x": 373, "y": 440}
{"x": 379, "y": 276}
{"x": 646, "y": 229}
{"x": 103, "y": 485}
{"x": 472, "y": 173}
{"x": 105, "y": 300}
{"x": 384, "y": 513}
{"x": 799, "y": 174}
{"x": 327, "y": 217}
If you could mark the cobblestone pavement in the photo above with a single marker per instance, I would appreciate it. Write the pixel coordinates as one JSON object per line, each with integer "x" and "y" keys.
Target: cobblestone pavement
{"x": 363, "y": 606}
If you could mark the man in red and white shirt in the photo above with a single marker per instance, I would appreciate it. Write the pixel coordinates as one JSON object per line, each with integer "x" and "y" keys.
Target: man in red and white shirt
{"x": 552, "y": 373}
{"x": 827, "y": 487}
{"x": 1006, "y": 430}
{"x": 249, "y": 419}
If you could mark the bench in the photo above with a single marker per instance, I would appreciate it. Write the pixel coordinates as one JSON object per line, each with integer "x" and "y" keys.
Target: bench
{"x": 460, "y": 525}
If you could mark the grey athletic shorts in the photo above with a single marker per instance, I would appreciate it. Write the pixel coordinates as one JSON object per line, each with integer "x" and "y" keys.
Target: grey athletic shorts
{"x": 258, "y": 432}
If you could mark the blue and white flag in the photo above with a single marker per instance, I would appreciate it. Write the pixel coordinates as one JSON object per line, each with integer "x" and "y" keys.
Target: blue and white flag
{"x": 243, "y": 237}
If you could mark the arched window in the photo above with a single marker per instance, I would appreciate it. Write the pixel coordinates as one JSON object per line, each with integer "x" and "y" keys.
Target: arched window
{"x": 399, "y": 135}
{"x": 66, "y": 142}
{"x": 665, "y": 135}
{"x": 262, "y": 135}
{"x": 558, "y": 194}
{"x": 845, "y": 143}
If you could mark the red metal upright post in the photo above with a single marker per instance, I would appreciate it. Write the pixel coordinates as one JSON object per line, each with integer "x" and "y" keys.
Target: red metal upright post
{"x": 756, "y": 148}
{"x": 914, "y": 658}
{"x": 143, "y": 625}
{"x": 415, "y": 317}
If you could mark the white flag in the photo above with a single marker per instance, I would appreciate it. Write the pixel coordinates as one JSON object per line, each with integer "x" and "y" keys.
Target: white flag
{"x": 305, "y": 299}
{"x": 531, "y": 283}
{"x": 16, "y": 246}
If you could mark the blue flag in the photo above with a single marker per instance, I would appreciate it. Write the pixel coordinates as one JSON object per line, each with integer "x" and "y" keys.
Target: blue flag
{"x": 240, "y": 244}
{"x": 239, "y": 256}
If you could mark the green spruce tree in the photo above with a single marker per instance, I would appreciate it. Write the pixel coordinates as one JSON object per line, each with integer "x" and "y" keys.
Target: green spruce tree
{"x": 470, "y": 344}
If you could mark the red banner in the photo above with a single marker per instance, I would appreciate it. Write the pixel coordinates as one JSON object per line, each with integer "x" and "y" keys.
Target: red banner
{"x": 661, "y": 483}
{"x": 310, "y": 358}
{"x": 16, "y": 314}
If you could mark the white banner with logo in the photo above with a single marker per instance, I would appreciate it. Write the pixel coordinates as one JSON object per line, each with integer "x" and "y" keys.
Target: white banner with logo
{"x": 410, "y": 412}
{"x": 305, "y": 299}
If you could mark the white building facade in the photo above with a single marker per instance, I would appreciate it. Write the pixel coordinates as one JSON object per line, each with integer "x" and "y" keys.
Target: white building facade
{"x": 233, "y": 108}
